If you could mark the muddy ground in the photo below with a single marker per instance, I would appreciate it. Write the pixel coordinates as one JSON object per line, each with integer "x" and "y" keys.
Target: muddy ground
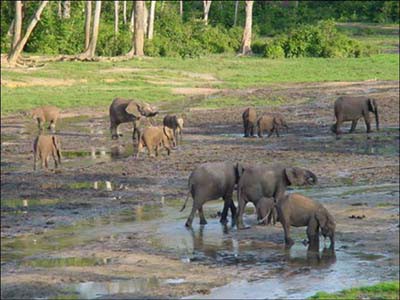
{"x": 62, "y": 237}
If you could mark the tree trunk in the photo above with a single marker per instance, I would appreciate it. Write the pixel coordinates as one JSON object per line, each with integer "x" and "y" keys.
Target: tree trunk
{"x": 116, "y": 21}
{"x": 17, "y": 24}
{"x": 124, "y": 11}
{"x": 181, "y": 8}
{"x": 139, "y": 28}
{"x": 59, "y": 9}
{"x": 88, "y": 21}
{"x": 145, "y": 18}
{"x": 132, "y": 22}
{"x": 151, "y": 20}
{"x": 236, "y": 12}
{"x": 15, "y": 52}
{"x": 66, "y": 9}
{"x": 246, "y": 41}
{"x": 10, "y": 31}
{"x": 206, "y": 6}
{"x": 91, "y": 50}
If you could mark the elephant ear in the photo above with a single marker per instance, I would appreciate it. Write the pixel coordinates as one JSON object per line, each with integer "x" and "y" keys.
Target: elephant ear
{"x": 292, "y": 176}
{"x": 239, "y": 169}
{"x": 133, "y": 109}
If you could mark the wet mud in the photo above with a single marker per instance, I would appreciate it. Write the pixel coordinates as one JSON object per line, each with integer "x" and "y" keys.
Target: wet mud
{"x": 107, "y": 225}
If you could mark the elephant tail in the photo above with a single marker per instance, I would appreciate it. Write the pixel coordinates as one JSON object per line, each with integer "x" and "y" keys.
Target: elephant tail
{"x": 187, "y": 197}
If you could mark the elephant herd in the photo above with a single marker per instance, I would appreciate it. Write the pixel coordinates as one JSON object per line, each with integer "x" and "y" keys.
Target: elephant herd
{"x": 263, "y": 185}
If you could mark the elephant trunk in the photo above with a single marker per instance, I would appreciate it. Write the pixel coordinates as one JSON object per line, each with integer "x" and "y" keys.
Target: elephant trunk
{"x": 376, "y": 118}
{"x": 311, "y": 178}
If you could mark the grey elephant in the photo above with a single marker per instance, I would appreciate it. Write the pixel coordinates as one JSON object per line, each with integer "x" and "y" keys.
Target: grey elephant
{"x": 270, "y": 124}
{"x": 43, "y": 114}
{"x": 45, "y": 146}
{"x": 176, "y": 124}
{"x": 123, "y": 111}
{"x": 297, "y": 210}
{"x": 249, "y": 121}
{"x": 350, "y": 108}
{"x": 266, "y": 211}
{"x": 268, "y": 181}
{"x": 211, "y": 181}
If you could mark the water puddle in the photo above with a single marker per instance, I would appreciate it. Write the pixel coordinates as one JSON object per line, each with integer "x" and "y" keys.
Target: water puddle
{"x": 59, "y": 262}
{"x": 25, "y": 203}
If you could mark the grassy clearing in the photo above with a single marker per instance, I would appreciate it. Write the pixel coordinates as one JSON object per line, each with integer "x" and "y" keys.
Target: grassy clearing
{"x": 385, "y": 290}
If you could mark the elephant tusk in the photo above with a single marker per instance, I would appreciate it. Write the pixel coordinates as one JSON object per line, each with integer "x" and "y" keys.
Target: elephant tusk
{"x": 263, "y": 219}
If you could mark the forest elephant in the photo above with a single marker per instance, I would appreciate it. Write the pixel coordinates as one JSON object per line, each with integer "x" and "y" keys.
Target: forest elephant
{"x": 351, "y": 108}
{"x": 123, "y": 111}
{"x": 270, "y": 124}
{"x": 268, "y": 181}
{"x": 211, "y": 181}
{"x": 266, "y": 211}
{"x": 297, "y": 210}
{"x": 45, "y": 114}
{"x": 153, "y": 138}
{"x": 249, "y": 121}
{"x": 45, "y": 146}
{"x": 176, "y": 124}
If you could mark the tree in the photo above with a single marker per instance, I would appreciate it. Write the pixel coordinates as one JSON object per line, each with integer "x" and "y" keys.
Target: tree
{"x": 91, "y": 49}
{"x": 236, "y": 12}
{"x": 151, "y": 20}
{"x": 116, "y": 20}
{"x": 66, "y": 14}
{"x": 246, "y": 40}
{"x": 124, "y": 11}
{"x": 17, "y": 25}
{"x": 15, "y": 51}
{"x": 206, "y": 7}
{"x": 88, "y": 20}
{"x": 139, "y": 28}
{"x": 181, "y": 8}
{"x": 132, "y": 22}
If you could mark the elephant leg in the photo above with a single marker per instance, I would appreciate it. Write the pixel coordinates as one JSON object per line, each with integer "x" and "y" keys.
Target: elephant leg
{"x": 286, "y": 228}
{"x": 225, "y": 211}
{"x": 312, "y": 233}
{"x": 245, "y": 126}
{"x": 353, "y": 126}
{"x": 46, "y": 161}
{"x": 34, "y": 160}
{"x": 189, "y": 220}
{"x": 277, "y": 131}
{"x": 233, "y": 212}
{"x": 367, "y": 122}
{"x": 54, "y": 155}
{"x": 242, "y": 206}
{"x": 252, "y": 130}
{"x": 203, "y": 220}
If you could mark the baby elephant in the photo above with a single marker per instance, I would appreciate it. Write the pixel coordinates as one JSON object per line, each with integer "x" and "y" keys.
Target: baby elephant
{"x": 45, "y": 114}
{"x": 266, "y": 211}
{"x": 154, "y": 137}
{"x": 43, "y": 147}
{"x": 249, "y": 121}
{"x": 176, "y": 124}
{"x": 297, "y": 210}
{"x": 271, "y": 124}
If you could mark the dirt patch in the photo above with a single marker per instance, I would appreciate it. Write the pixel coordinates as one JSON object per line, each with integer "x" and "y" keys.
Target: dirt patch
{"x": 195, "y": 91}
{"x": 40, "y": 82}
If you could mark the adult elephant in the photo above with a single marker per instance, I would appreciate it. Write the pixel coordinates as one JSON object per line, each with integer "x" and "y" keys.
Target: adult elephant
{"x": 211, "y": 181}
{"x": 268, "y": 181}
{"x": 350, "y": 108}
{"x": 124, "y": 110}
{"x": 249, "y": 117}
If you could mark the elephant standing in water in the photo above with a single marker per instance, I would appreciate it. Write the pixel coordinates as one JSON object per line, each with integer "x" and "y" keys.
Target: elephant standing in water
{"x": 123, "y": 110}
{"x": 271, "y": 124}
{"x": 249, "y": 121}
{"x": 349, "y": 108}
{"x": 45, "y": 146}
{"x": 297, "y": 210}
{"x": 211, "y": 181}
{"x": 269, "y": 181}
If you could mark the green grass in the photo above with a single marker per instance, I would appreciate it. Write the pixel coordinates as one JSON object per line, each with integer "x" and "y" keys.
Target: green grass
{"x": 385, "y": 290}
{"x": 92, "y": 86}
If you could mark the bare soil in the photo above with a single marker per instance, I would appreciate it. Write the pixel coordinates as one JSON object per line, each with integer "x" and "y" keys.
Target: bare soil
{"x": 136, "y": 228}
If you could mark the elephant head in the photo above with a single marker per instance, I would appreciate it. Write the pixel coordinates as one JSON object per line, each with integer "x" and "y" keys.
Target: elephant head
{"x": 280, "y": 122}
{"x": 373, "y": 107}
{"x": 299, "y": 176}
{"x": 327, "y": 224}
{"x": 138, "y": 109}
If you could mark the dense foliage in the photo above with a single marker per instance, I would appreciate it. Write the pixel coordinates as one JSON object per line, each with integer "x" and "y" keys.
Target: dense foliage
{"x": 188, "y": 36}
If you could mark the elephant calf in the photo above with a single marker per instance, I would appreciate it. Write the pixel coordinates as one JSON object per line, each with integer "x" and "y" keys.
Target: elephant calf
{"x": 45, "y": 114}
{"x": 249, "y": 121}
{"x": 297, "y": 210}
{"x": 211, "y": 181}
{"x": 349, "y": 108}
{"x": 271, "y": 124}
{"x": 266, "y": 211}
{"x": 43, "y": 147}
{"x": 268, "y": 181}
{"x": 176, "y": 124}
{"x": 154, "y": 137}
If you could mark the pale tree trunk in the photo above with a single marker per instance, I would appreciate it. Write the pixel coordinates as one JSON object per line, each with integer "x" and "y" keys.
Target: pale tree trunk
{"x": 206, "y": 7}
{"x": 116, "y": 20}
{"x": 132, "y": 22}
{"x": 296, "y": 4}
{"x": 88, "y": 21}
{"x": 236, "y": 12}
{"x": 181, "y": 8}
{"x": 91, "y": 50}
{"x": 17, "y": 24}
{"x": 59, "y": 10}
{"x": 151, "y": 20}
{"x": 10, "y": 31}
{"x": 145, "y": 17}
{"x": 139, "y": 28}
{"x": 124, "y": 11}
{"x": 246, "y": 41}
{"x": 66, "y": 9}
{"x": 15, "y": 52}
